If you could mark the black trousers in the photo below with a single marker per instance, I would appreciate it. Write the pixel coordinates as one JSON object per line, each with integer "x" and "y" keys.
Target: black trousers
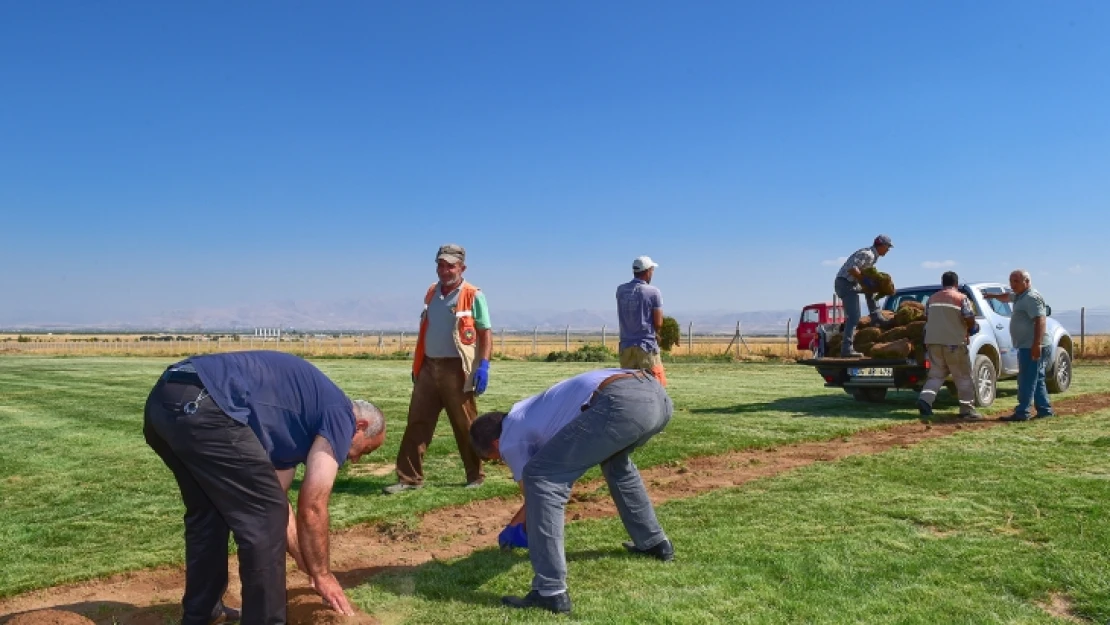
{"x": 228, "y": 486}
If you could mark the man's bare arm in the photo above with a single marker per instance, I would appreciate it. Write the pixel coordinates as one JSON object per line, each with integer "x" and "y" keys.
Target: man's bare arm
{"x": 519, "y": 517}
{"x": 657, "y": 319}
{"x": 292, "y": 545}
{"x": 485, "y": 343}
{"x": 321, "y": 468}
{"x": 1038, "y": 333}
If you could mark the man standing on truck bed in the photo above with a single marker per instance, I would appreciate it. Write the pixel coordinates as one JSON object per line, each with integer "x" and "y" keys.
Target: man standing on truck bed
{"x": 640, "y": 313}
{"x": 847, "y": 288}
{"x": 949, "y": 318}
{"x": 1033, "y": 344}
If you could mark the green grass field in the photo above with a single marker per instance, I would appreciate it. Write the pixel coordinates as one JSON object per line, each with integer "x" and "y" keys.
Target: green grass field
{"x": 973, "y": 528}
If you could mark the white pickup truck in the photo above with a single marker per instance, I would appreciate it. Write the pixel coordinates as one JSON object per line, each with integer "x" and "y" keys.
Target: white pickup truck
{"x": 993, "y": 356}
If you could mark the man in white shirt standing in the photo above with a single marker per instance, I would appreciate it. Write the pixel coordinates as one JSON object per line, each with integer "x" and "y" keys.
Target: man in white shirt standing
{"x": 549, "y": 440}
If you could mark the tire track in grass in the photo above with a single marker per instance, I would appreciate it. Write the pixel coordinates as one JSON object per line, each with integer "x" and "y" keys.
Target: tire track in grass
{"x": 151, "y": 596}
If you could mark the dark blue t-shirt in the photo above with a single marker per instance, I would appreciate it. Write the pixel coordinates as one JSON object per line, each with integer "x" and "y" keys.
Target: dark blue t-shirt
{"x": 286, "y": 400}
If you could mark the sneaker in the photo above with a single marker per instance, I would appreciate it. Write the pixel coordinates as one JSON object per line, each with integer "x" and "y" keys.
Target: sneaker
{"x": 476, "y": 483}
{"x": 400, "y": 487}
{"x": 974, "y": 415}
{"x": 1015, "y": 417}
{"x": 664, "y": 551}
{"x": 1044, "y": 415}
{"x": 559, "y": 604}
{"x": 924, "y": 409}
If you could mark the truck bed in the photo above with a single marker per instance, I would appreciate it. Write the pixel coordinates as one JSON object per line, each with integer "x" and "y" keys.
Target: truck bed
{"x": 859, "y": 362}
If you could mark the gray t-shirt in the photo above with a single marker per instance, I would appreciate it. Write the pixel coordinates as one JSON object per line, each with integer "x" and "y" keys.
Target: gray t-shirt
{"x": 864, "y": 258}
{"x": 636, "y": 304}
{"x": 1027, "y": 307}
{"x": 439, "y": 340}
{"x": 533, "y": 421}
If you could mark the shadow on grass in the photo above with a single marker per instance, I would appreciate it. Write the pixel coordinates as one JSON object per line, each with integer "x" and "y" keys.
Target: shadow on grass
{"x": 467, "y": 575}
{"x": 897, "y": 405}
{"x": 107, "y": 613}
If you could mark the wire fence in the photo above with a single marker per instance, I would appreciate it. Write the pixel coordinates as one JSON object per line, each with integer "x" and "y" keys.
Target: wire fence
{"x": 506, "y": 344}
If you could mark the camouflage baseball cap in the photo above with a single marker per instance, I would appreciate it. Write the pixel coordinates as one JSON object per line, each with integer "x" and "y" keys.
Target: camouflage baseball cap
{"x": 451, "y": 253}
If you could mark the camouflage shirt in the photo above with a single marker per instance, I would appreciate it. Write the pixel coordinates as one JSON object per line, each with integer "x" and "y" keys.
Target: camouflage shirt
{"x": 862, "y": 259}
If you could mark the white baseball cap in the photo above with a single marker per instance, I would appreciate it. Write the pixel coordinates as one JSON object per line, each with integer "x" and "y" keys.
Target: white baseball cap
{"x": 643, "y": 263}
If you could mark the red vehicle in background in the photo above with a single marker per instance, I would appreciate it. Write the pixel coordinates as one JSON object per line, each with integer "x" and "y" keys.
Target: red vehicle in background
{"x": 813, "y": 316}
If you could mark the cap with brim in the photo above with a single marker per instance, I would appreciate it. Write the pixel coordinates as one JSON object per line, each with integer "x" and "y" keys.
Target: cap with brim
{"x": 643, "y": 263}
{"x": 451, "y": 253}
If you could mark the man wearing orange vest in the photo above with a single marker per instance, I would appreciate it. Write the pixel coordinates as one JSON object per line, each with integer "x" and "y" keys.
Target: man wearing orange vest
{"x": 450, "y": 368}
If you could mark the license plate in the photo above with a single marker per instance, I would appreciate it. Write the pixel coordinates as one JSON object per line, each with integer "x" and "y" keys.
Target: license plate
{"x": 872, "y": 372}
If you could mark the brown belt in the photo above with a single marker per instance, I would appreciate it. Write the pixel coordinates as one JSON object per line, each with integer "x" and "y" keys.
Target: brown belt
{"x": 620, "y": 376}
{"x": 641, "y": 375}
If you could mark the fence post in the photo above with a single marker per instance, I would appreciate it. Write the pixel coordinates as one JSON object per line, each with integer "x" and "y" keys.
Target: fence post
{"x": 603, "y": 335}
{"x": 381, "y": 340}
{"x": 788, "y": 320}
{"x": 402, "y": 344}
{"x": 1083, "y": 331}
{"x": 502, "y": 340}
{"x": 738, "y": 340}
{"x": 690, "y": 338}
{"x": 535, "y": 330}
{"x": 566, "y": 339}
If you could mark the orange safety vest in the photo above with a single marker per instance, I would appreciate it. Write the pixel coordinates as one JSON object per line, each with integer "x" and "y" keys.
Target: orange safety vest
{"x": 465, "y": 332}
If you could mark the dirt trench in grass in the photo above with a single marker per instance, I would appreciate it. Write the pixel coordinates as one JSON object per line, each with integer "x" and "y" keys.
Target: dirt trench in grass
{"x": 152, "y": 597}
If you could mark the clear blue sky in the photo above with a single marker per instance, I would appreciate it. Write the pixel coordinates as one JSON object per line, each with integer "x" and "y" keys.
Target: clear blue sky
{"x": 173, "y": 155}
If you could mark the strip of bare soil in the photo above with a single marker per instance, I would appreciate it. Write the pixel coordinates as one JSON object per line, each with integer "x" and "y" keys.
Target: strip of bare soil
{"x": 148, "y": 597}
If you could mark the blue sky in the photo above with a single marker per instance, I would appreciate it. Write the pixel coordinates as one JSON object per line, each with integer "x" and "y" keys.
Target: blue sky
{"x": 166, "y": 155}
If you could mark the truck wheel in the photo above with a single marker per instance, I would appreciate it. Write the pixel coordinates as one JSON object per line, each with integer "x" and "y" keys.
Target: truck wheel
{"x": 986, "y": 381}
{"x": 872, "y": 395}
{"x": 1059, "y": 377}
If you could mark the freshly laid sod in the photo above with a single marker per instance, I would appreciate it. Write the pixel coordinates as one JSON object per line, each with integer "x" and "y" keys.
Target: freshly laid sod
{"x": 83, "y": 496}
{"x": 989, "y": 526}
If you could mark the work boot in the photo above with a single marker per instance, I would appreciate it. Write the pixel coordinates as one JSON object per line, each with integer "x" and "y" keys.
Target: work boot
{"x": 971, "y": 415}
{"x": 400, "y": 487}
{"x": 559, "y": 604}
{"x": 851, "y": 354}
{"x": 1015, "y": 418}
{"x": 663, "y": 551}
{"x": 924, "y": 409}
{"x": 225, "y": 615}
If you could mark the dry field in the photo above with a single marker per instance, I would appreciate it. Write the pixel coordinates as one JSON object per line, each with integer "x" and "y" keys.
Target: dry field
{"x": 508, "y": 345}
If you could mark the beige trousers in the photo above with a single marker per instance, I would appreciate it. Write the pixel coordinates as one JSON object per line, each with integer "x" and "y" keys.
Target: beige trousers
{"x": 636, "y": 358}
{"x": 945, "y": 360}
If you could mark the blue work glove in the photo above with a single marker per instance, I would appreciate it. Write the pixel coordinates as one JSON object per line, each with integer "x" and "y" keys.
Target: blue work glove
{"x": 513, "y": 536}
{"x": 974, "y": 329}
{"x": 481, "y": 377}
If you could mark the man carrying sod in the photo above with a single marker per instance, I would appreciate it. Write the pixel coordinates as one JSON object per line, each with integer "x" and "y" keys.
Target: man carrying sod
{"x": 549, "y": 440}
{"x": 848, "y": 286}
{"x": 233, "y": 428}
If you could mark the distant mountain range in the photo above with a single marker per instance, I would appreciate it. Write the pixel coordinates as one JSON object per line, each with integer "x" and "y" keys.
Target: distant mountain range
{"x": 368, "y": 315}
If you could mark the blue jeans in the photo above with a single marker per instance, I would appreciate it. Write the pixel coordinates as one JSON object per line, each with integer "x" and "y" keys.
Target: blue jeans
{"x": 623, "y": 416}
{"x": 846, "y": 291}
{"x": 1031, "y": 385}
